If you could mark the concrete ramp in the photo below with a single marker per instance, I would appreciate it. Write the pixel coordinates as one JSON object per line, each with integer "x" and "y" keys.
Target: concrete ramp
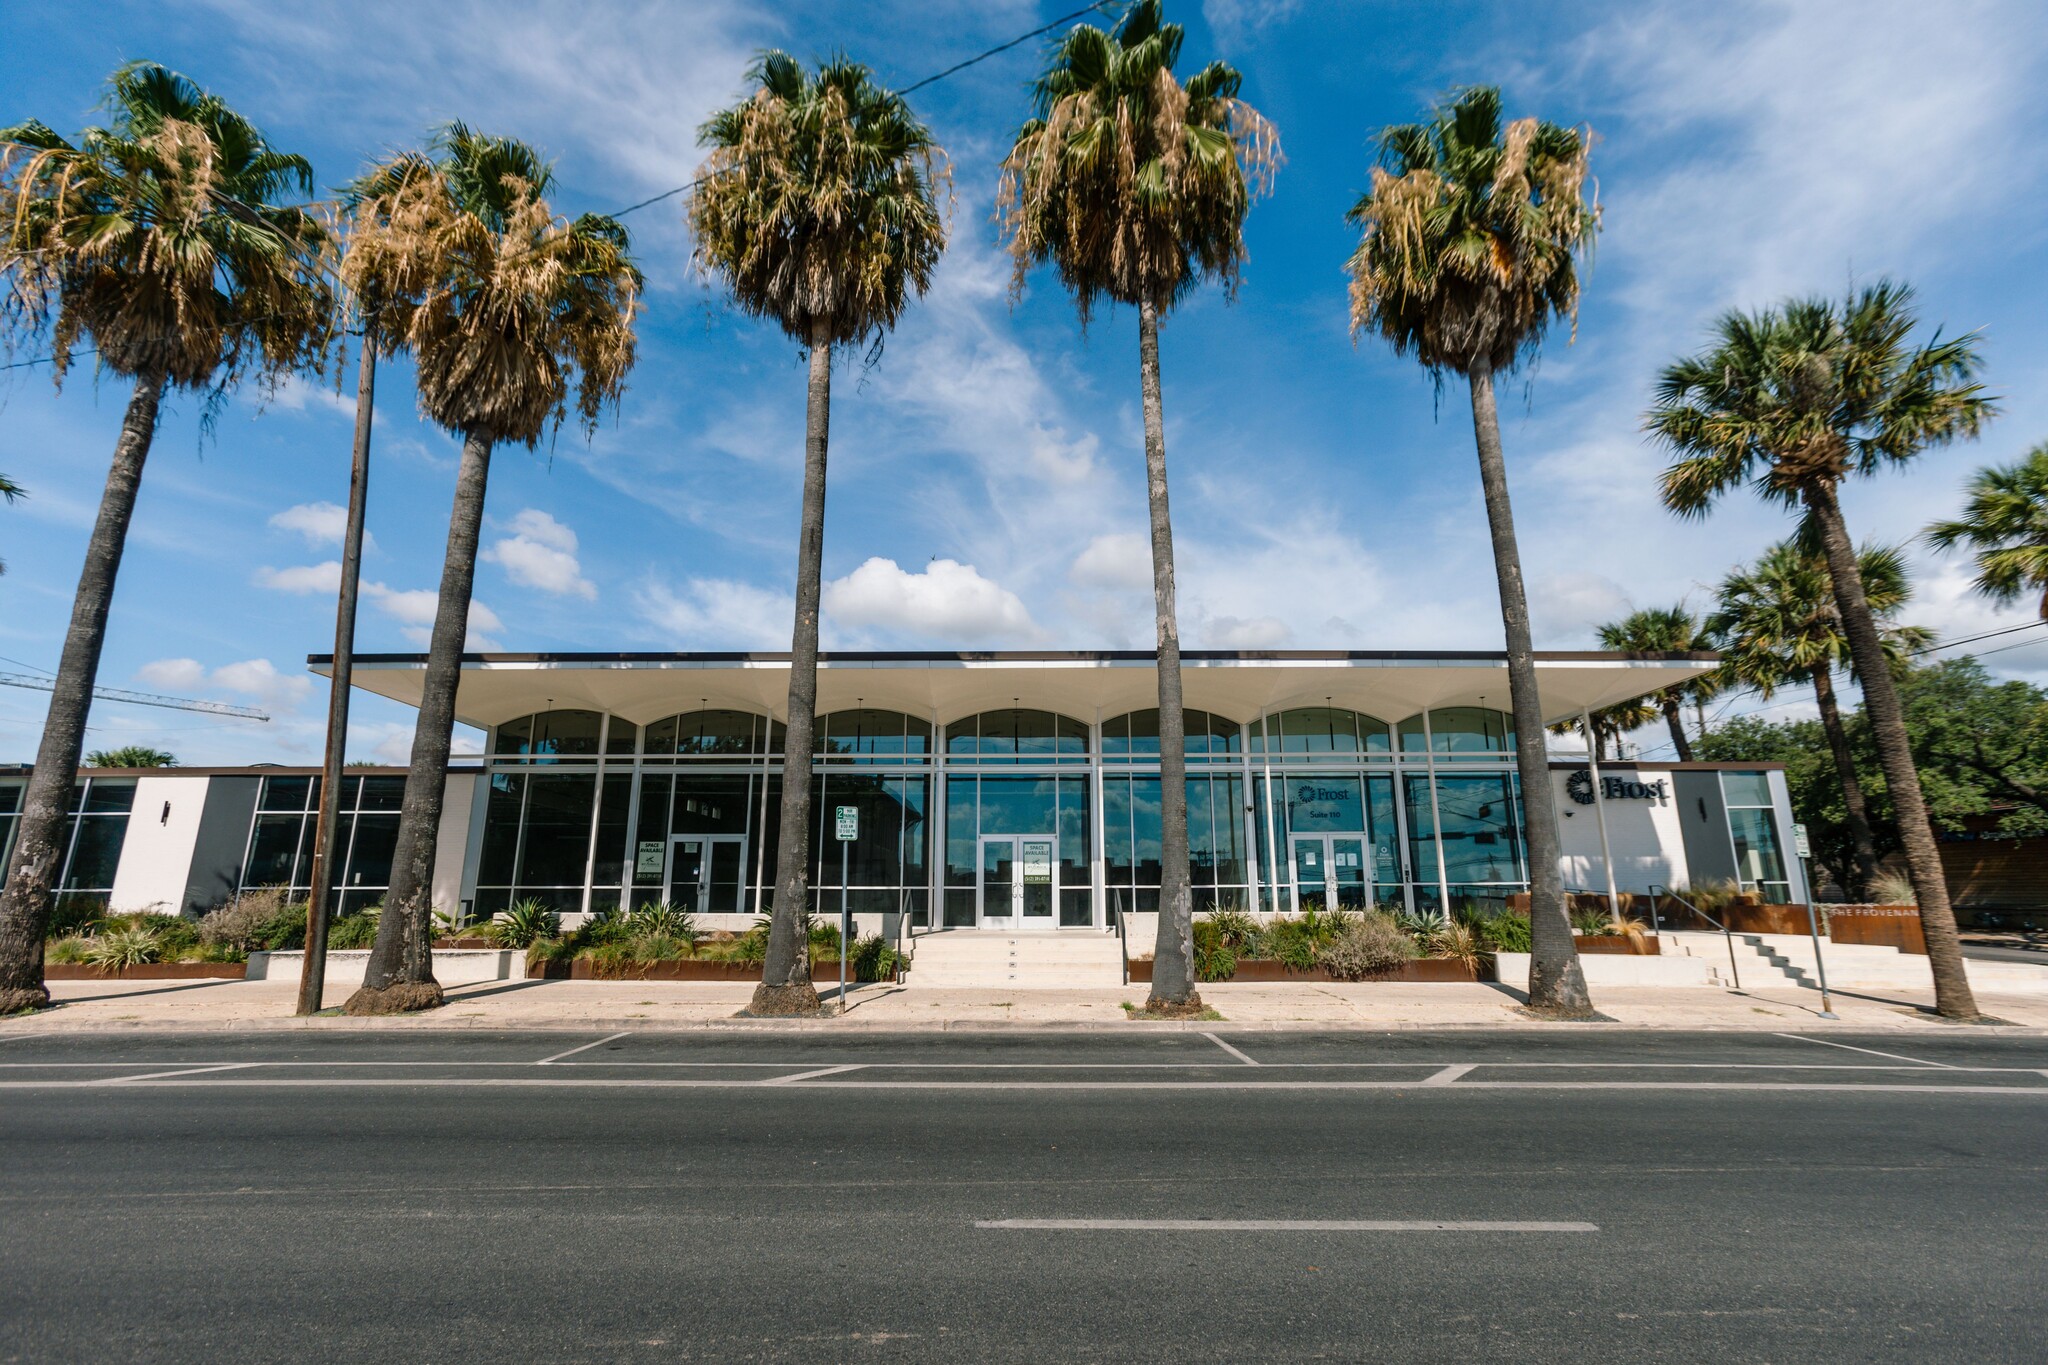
{"x": 989, "y": 958}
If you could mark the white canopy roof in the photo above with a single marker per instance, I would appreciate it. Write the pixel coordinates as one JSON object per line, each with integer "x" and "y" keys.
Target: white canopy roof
{"x": 1237, "y": 685}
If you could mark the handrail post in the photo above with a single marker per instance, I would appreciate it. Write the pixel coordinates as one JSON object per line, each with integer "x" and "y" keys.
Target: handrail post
{"x": 1726, "y": 937}
{"x": 1827, "y": 1006}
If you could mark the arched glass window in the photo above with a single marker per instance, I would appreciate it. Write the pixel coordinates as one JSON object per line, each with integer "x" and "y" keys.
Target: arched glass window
{"x": 1135, "y": 737}
{"x": 714, "y": 734}
{"x": 1017, "y": 736}
{"x": 1322, "y": 732}
{"x": 872, "y": 737}
{"x": 551, "y": 734}
{"x": 1461, "y": 732}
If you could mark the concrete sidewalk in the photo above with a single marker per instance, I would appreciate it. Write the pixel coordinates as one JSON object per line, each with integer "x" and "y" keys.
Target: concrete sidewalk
{"x": 583, "y": 1005}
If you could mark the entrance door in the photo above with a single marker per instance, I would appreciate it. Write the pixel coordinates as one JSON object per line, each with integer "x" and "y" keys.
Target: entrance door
{"x": 706, "y": 873}
{"x": 1330, "y": 872}
{"x": 1019, "y": 881}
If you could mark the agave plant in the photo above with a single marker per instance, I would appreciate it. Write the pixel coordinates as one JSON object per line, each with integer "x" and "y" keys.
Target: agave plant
{"x": 664, "y": 917}
{"x": 526, "y": 923}
{"x": 123, "y": 948}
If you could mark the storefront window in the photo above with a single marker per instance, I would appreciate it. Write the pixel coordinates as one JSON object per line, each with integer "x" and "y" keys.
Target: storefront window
{"x": 550, "y": 734}
{"x": 979, "y": 809}
{"x": 1017, "y": 736}
{"x": 97, "y": 828}
{"x": 714, "y": 734}
{"x": 1460, "y": 732}
{"x": 1752, "y": 824}
{"x": 873, "y": 737}
{"x": 1135, "y": 737}
{"x": 281, "y": 836}
{"x": 1217, "y": 867}
{"x": 1321, "y": 732}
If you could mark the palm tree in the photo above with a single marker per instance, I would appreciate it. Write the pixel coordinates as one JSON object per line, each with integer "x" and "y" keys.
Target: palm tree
{"x": 9, "y": 492}
{"x": 2006, "y": 523}
{"x": 1793, "y": 400}
{"x": 1610, "y": 723}
{"x": 1133, "y": 185}
{"x": 131, "y": 756}
{"x": 1657, "y": 631}
{"x": 1471, "y": 230}
{"x": 818, "y": 205}
{"x": 160, "y": 240}
{"x": 1777, "y": 624}
{"x": 503, "y": 307}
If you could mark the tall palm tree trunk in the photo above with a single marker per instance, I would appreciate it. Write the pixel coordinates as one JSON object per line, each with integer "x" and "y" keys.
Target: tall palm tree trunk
{"x": 400, "y": 974}
{"x": 1173, "y": 958}
{"x": 313, "y": 972}
{"x": 1856, "y": 814}
{"x": 1678, "y": 739}
{"x": 1556, "y": 981}
{"x": 786, "y": 972}
{"x": 1952, "y": 996}
{"x": 39, "y": 842}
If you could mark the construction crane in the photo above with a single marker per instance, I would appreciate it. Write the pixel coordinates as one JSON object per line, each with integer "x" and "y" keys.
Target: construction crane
{"x": 211, "y": 708}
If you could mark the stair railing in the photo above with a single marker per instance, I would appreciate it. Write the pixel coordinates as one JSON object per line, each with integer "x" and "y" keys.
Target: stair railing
{"x": 1726, "y": 936}
{"x": 1123, "y": 941}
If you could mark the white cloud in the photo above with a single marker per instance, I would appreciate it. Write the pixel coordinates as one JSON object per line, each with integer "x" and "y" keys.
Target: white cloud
{"x": 295, "y": 394}
{"x": 323, "y": 578}
{"x": 718, "y": 613}
{"x": 948, "y": 601}
{"x": 1231, "y": 20}
{"x": 321, "y": 523}
{"x": 541, "y": 553}
{"x": 414, "y": 609}
{"x": 1120, "y": 559}
{"x": 257, "y": 678}
{"x": 1231, "y": 632}
{"x": 1572, "y": 606}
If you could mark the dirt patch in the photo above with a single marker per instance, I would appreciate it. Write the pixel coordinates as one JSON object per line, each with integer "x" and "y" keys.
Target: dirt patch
{"x": 403, "y": 997}
{"x": 1190, "y": 1008}
{"x": 798, "y": 1000}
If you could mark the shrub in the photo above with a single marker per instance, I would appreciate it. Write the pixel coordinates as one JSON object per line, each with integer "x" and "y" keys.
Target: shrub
{"x": 118, "y": 948}
{"x": 67, "y": 951}
{"x": 525, "y": 924}
{"x": 660, "y": 917}
{"x": 1507, "y": 933}
{"x": 1459, "y": 943}
{"x": 752, "y": 946}
{"x": 355, "y": 931}
{"x": 1291, "y": 941}
{"x": 257, "y": 921}
{"x": 1423, "y": 926}
{"x": 1215, "y": 949}
{"x": 873, "y": 960}
{"x": 656, "y": 947}
{"x": 1711, "y": 897}
{"x": 1368, "y": 946}
{"x": 71, "y": 916}
{"x": 176, "y": 937}
{"x": 1231, "y": 928}
{"x": 1893, "y": 888}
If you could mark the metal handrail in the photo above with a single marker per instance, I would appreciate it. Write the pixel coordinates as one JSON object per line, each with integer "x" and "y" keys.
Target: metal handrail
{"x": 1727, "y": 936}
{"x": 1614, "y": 906}
{"x": 1123, "y": 941}
{"x": 902, "y": 926}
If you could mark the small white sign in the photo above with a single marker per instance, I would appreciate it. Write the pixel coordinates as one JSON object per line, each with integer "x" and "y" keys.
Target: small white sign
{"x": 650, "y": 860}
{"x": 1037, "y": 862}
{"x": 1799, "y": 843}
{"x": 846, "y": 823}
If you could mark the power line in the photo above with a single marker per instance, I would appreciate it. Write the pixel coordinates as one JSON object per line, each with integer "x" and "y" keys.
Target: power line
{"x": 1989, "y": 634}
{"x": 210, "y": 708}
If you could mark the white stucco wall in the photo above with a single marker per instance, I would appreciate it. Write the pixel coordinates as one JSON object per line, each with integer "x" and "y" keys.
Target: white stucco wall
{"x": 156, "y": 853}
{"x": 451, "y": 848}
{"x": 1643, "y": 833}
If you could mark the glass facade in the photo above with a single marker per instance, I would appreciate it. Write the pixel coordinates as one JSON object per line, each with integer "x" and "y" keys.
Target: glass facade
{"x": 94, "y": 831}
{"x": 280, "y": 847}
{"x": 1013, "y": 816}
{"x": 1753, "y": 826}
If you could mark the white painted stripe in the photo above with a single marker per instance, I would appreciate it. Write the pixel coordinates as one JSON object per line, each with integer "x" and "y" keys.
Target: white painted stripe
{"x": 1824, "y": 1042}
{"x": 1229, "y": 1049}
{"x": 187, "y": 1071}
{"x": 585, "y": 1048}
{"x": 806, "y": 1075}
{"x": 1275, "y": 1225}
{"x": 1878, "y": 1067}
{"x": 565, "y": 1081}
{"x": 1449, "y": 1074}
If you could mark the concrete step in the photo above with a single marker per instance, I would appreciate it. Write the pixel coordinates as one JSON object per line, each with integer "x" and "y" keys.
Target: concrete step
{"x": 991, "y": 958}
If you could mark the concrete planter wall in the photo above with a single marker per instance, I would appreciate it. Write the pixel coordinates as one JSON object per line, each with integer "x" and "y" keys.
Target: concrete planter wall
{"x": 148, "y": 971}
{"x": 1427, "y": 969}
{"x": 345, "y": 967}
{"x": 1613, "y": 970}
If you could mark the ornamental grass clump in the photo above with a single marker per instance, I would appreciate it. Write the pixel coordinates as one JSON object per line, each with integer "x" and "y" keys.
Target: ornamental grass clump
{"x": 126, "y": 947}
{"x": 1368, "y": 947}
{"x": 354, "y": 932}
{"x": 526, "y": 923}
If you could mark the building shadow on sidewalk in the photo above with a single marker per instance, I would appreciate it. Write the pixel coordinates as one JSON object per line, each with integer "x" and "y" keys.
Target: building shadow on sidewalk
{"x": 155, "y": 990}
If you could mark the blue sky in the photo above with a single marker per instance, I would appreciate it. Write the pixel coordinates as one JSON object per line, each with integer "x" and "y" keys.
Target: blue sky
{"x": 987, "y": 474}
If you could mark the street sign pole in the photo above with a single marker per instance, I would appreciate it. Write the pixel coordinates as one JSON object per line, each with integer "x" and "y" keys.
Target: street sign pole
{"x": 1804, "y": 849}
{"x": 846, "y": 825}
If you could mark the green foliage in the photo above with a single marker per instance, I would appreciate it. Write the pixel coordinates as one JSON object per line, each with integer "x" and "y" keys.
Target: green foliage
{"x": 1233, "y": 928}
{"x": 1893, "y": 888}
{"x": 258, "y": 921}
{"x": 2006, "y": 522}
{"x": 68, "y": 951}
{"x": 1216, "y": 946}
{"x": 873, "y": 960}
{"x": 131, "y": 756}
{"x": 71, "y": 915}
{"x": 660, "y": 917}
{"x": 1367, "y": 946}
{"x": 123, "y": 947}
{"x": 1589, "y": 921}
{"x": 1981, "y": 746}
{"x": 1507, "y": 933}
{"x": 353, "y": 932}
{"x": 524, "y": 924}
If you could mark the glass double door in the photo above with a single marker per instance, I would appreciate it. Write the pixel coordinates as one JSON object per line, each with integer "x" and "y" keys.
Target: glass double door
{"x": 1330, "y": 872}
{"x": 707, "y": 873}
{"x": 1019, "y": 883}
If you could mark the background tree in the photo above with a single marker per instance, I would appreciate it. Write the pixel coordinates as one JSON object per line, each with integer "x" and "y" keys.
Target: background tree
{"x": 131, "y": 756}
{"x": 161, "y": 241}
{"x": 1981, "y": 746}
{"x": 1656, "y": 631}
{"x": 9, "y": 492}
{"x": 818, "y": 206}
{"x": 2005, "y": 521}
{"x": 1812, "y": 778}
{"x": 504, "y": 307}
{"x": 1471, "y": 230}
{"x": 1793, "y": 400}
{"x": 1133, "y": 185}
{"x": 1778, "y": 624}
{"x": 1610, "y": 723}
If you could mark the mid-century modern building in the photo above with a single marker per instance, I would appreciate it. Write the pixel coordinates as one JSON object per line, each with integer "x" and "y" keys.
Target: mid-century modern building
{"x": 992, "y": 790}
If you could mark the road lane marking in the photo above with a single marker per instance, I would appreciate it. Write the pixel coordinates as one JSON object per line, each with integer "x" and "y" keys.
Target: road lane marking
{"x": 806, "y": 1075}
{"x": 1229, "y": 1049}
{"x": 1275, "y": 1225}
{"x": 186, "y": 1071}
{"x": 585, "y": 1048}
{"x": 1449, "y": 1074}
{"x": 1797, "y": 1037}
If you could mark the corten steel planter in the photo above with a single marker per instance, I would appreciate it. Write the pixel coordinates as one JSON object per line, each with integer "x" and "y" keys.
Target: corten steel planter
{"x": 682, "y": 969}
{"x": 147, "y": 971}
{"x": 1425, "y": 969}
{"x": 1886, "y": 926}
{"x": 1623, "y": 945}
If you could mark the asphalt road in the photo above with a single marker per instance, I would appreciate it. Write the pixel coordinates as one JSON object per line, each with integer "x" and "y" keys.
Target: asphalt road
{"x": 494, "y": 1196}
